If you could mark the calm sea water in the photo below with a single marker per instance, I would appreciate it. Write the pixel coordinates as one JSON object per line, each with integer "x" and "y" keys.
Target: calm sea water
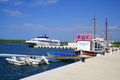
{"x": 13, "y": 72}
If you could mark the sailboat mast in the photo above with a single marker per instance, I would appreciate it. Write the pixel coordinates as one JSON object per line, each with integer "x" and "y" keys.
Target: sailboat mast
{"x": 94, "y": 26}
{"x": 106, "y": 32}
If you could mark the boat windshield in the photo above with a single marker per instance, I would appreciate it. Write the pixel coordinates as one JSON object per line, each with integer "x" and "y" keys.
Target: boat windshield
{"x": 43, "y": 36}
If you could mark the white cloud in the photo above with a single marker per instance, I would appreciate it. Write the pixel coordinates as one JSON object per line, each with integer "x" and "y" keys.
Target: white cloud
{"x": 29, "y": 24}
{"x": 18, "y": 3}
{"x": 43, "y": 2}
{"x": 12, "y": 13}
{"x": 4, "y": 1}
{"x": 115, "y": 28}
{"x": 12, "y": 2}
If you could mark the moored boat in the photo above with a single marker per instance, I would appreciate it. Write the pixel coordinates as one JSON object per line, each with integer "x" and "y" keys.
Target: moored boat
{"x": 88, "y": 46}
{"x": 42, "y": 41}
{"x": 28, "y": 60}
{"x": 35, "y": 61}
{"x": 16, "y": 61}
{"x": 32, "y": 60}
{"x": 63, "y": 56}
{"x": 89, "y": 54}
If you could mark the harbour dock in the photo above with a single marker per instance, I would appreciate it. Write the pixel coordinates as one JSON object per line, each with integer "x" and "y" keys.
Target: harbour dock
{"x": 9, "y": 55}
{"x": 105, "y": 67}
{"x": 57, "y": 47}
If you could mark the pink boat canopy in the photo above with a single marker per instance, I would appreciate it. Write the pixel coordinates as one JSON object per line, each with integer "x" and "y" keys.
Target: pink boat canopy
{"x": 84, "y": 37}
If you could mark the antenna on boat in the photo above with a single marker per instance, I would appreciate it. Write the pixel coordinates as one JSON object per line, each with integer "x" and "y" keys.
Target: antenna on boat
{"x": 106, "y": 30}
{"x": 94, "y": 26}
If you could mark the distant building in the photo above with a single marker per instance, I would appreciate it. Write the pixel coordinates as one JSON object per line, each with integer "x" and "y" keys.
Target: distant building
{"x": 72, "y": 44}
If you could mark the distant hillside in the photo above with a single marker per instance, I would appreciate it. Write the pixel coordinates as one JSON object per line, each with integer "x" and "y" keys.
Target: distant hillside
{"x": 12, "y": 41}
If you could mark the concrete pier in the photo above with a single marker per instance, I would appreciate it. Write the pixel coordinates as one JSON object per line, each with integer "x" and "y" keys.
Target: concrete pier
{"x": 10, "y": 55}
{"x": 98, "y": 68}
{"x": 57, "y": 47}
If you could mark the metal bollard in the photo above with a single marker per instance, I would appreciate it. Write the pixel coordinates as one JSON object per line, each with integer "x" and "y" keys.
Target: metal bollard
{"x": 83, "y": 59}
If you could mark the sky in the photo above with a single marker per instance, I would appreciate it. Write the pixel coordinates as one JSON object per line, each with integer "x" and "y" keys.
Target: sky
{"x": 59, "y": 19}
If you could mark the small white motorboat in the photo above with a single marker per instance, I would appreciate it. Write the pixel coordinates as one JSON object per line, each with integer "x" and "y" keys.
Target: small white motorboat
{"x": 36, "y": 60}
{"x": 28, "y": 60}
{"x": 16, "y": 61}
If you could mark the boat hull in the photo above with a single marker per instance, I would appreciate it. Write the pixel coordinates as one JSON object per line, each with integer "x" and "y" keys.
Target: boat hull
{"x": 74, "y": 57}
{"x": 16, "y": 62}
{"x": 89, "y": 53}
{"x": 64, "y": 57}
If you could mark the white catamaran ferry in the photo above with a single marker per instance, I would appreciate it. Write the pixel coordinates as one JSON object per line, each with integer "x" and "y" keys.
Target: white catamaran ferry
{"x": 42, "y": 40}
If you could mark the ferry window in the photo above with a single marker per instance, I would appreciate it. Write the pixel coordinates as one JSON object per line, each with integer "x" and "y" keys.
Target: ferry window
{"x": 99, "y": 46}
{"x": 83, "y": 38}
{"x": 91, "y": 45}
{"x": 78, "y": 37}
{"x": 95, "y": 44}
{"x": 87, "y": 37}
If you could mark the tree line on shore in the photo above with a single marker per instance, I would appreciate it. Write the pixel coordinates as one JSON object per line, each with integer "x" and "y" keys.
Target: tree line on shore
{"x": 12, "y": 41}
{"x": 116, "y": 44}
{"x": 23, "y": 41}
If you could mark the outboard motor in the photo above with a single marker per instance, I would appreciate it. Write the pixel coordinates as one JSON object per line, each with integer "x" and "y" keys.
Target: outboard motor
{"x": 45, "y": 59}
{"x": 28, "y": 61}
